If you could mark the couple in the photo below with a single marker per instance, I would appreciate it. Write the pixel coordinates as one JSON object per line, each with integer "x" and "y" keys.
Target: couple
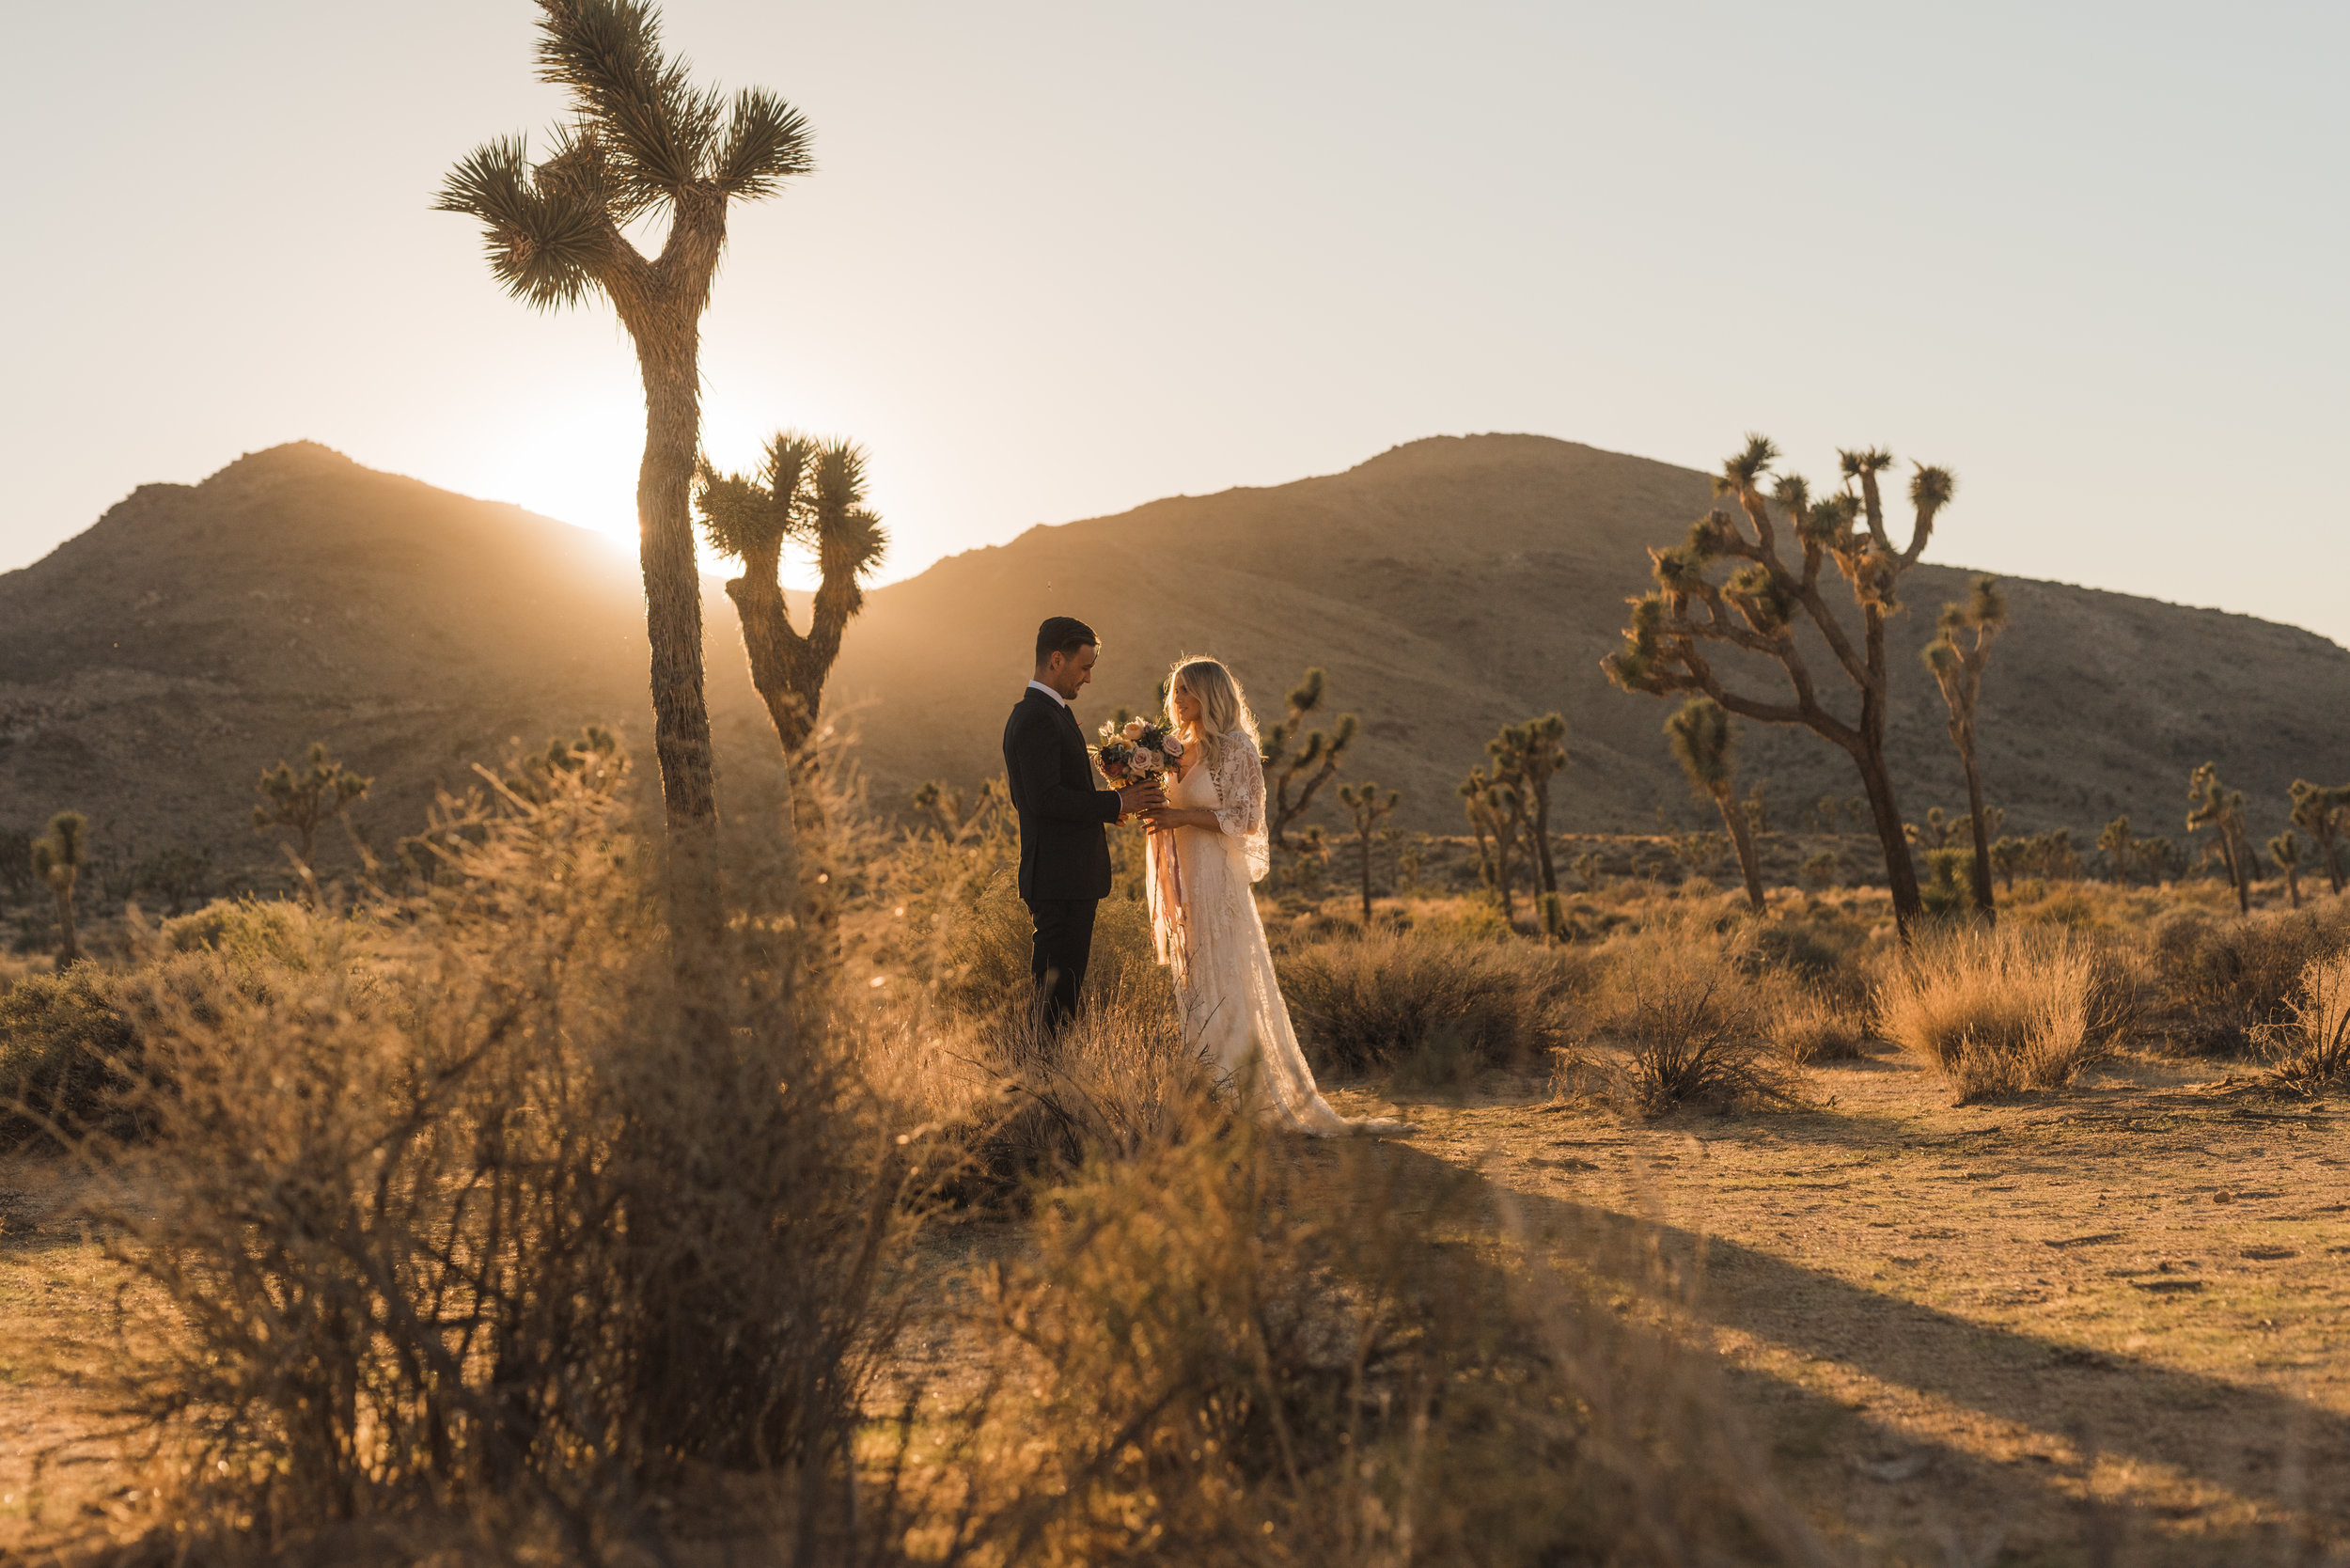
{"x": 1207, "y": 843}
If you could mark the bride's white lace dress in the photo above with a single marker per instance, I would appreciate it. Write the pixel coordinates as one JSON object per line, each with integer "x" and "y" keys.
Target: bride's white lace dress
{"x": 1206, "y": 924}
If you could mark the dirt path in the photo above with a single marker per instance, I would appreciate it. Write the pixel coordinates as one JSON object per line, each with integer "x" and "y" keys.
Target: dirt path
{"x": 1998, "y": 1334}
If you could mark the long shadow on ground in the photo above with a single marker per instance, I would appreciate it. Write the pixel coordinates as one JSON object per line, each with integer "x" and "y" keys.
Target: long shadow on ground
{"x": 2298, "y": 1467}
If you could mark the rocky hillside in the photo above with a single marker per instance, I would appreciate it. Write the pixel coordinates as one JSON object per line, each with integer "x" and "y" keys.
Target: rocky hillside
{"x": 150, "y": 667}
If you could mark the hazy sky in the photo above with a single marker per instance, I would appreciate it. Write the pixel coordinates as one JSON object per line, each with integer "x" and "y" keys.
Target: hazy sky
{"x": 1062, "y": 258}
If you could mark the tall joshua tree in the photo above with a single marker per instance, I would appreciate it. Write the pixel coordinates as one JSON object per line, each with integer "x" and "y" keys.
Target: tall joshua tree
{"x": 307, "y": 798}
{"x": 643, "y": 142}
{"x": 1763, "y": 600}
{"x": 58, "y": 857}
{"x": 1529, "y": 756}
{"x": 2319, "y": 812}
{"x": 1367, "y": 807}
{"x": 1960, "y": 648}
{"x": 2217, "y": 806}
{"x": 812, "y": 493}
{"x": 1702, "y": 743}
{"x": 1298, "y": 764}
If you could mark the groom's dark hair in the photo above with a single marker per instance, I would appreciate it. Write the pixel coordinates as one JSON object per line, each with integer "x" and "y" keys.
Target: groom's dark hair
{"x": 1064, "y": 634}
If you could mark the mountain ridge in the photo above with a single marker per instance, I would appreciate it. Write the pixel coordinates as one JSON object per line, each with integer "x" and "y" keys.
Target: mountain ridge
{"x": 153, "y": 664}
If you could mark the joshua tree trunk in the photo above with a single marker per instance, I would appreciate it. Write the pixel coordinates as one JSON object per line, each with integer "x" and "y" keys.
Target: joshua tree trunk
{"x": 1900, "y": 872}
{"x": 759, "y": 602}
{"x": 1366, "y": 848}
{"x": 1983, "y": 901}
{"x": 69, "y": 942}
{"x": 673, "y": 602}
{"x": 1742, "y": 835}
{"x": 1542, "y": 835}
{"x": 1501, "y": 874}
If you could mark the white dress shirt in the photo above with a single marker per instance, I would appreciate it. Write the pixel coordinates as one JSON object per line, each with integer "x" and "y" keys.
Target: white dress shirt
{"x": 1041, "y": 686}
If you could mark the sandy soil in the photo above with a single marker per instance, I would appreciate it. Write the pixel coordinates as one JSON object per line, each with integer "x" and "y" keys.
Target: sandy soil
{"x": 2111, "y": 1319}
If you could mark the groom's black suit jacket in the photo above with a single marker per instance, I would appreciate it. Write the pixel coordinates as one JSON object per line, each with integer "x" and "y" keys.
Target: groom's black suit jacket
{"x": 1063, "y": 851}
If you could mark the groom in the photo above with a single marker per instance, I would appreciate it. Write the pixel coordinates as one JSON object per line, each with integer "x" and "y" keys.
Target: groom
{"x": 1064, "y": 855}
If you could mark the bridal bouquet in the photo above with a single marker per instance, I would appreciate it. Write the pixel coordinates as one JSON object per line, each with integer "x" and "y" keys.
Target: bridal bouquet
{"x": 1138, "y": 754}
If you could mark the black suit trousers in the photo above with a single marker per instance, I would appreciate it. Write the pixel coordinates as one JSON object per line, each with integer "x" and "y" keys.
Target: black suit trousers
{"x": 1064, "y": 943}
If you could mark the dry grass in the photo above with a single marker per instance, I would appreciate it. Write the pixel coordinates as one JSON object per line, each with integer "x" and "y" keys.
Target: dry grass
{"x": 2313, "y": 1050}
{"x": 482, "y": 1225}
{"x": 1432, "y": 1006}
{"x": 2227, "y": 978}
{"x": 2004, "y": 1011}
{"x": 1231, "y": 1350}
{"x": 1680, "y": 999}
{"x": 1804, "y": 1027}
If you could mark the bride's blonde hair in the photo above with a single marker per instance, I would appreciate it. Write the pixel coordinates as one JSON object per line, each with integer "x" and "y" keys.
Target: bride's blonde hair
{"x": 1223, "y": 710}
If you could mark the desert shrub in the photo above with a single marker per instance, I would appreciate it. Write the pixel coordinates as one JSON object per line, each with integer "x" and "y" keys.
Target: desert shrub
{"x": 499, "y": 1211}
{"x": 1249, "y": 1353}
{"x": 979, "y": 950}
{"x": 1999, "y": 1013}
{"x": 1434, "y": 1005}
{"x": 1114, "y": 1079}
{"x": 251, "y": 930}
{"x": 2224, "y": 982}
{"x": 1805, "y": 1026}
{"x": 1681, "y": 1000}
{"x": 66, "y": 1043}
{"x": 2313, "y": 1048}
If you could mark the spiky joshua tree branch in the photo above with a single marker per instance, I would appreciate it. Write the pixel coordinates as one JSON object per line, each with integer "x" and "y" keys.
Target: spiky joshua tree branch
{"x": 1773, "y": 585}
{"x": 1297, "y": 763}
{"x": 1704, "y": 742}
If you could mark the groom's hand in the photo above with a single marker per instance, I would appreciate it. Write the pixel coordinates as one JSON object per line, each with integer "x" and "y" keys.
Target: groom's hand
{"x": 1137, "y": 798}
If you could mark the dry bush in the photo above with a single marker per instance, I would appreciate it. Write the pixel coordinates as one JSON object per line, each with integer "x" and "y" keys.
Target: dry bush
{"x": 1805, "y": 1026}
{"x": 1434, "y": 1006}
{"x": 1680, "y": 996}
{"x": 485, "y": 1224}
{"x": 2313, "y": 1050}
{"x": 66, "y": 1041}
{"x": 2002, "y": 1011}
{"x": 1238, "y": 1350}
{"x": 2225, "y": 980}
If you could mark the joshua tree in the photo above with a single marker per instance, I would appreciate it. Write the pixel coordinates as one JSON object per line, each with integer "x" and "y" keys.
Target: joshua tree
{"x": 2159, "y": 856}
{"x": 1758, "y": 808}
{"x": 308, "y": 800}
{"x": 1819, "y": 870}
{"x": 2285, "y": 850}
{"x": 1494, "y": 810}
{"x": 2116, "y": 841}
{"x": 642, "y": 142}
{"x": 2008, "y": 854}
{"x": 1366, "y": 807}
{"x": 2320, "y": 812}
{"x": 2220, "y": 809}
{"x": 1960, "y": 648}
{"x": 1758, "y": 609}
{"x": 1587, "y": 866}
{"x": 58, "y": 857}
{"x": 1528, "y": 756}
{"x": 811, "y": 495}
{"x": 1826, "y": 812}
{"x": 1296, "y": 764}
{"x": 1703, "y": 742}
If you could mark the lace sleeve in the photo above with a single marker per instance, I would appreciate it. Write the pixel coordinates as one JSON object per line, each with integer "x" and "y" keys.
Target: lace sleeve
{"x": 1240, "y": 795}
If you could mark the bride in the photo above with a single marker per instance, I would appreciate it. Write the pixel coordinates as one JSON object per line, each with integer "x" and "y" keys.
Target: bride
{"x": 1207, "y": 844}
